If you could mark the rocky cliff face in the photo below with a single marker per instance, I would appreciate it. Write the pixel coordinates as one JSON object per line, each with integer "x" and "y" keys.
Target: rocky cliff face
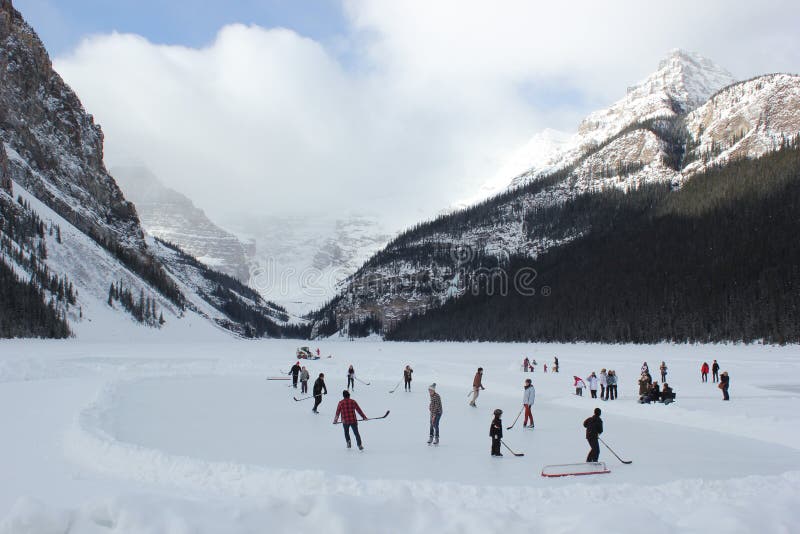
{"x": 665, "y": 130}
{"x": 172, "y": 217}
{"x": 54, "y": 147}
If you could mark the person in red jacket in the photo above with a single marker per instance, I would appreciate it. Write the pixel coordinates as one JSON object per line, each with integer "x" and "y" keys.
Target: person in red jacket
{"x": 347, "y": 409}
{"x": 704, "y": 372}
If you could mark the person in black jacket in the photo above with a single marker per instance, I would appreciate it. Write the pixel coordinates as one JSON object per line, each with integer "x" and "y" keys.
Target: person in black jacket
{"x": 714, "y": 371}
{"x": 496, "y": 432}
{"x": 319, "y": 387}
{"x": 295, "y": 371}
{"x": 594, "y": 427}
{"x": 724, "y": 384}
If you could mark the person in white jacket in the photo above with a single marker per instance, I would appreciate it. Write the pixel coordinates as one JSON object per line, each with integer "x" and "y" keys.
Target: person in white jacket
{"x": 603, "y": 384}
{"x": 592, "y": 380}
{"x": 528, "y": 396}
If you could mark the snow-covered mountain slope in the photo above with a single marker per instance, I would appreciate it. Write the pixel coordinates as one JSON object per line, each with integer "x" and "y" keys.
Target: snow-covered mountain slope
{"x": 172, "y": 217}
{"x": 746, "y": 119}
{"x": 92, "y": 269}
{"x": 81, "y": 232}
{"x": 223, "y": 299}
{"x": 646, "y": 138}
{"x": 300, "y": 261}
{"x": 683, "y": 82}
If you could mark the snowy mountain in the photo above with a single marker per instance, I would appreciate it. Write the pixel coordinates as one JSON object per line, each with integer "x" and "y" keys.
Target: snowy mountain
{"x": 667, "y": 129}
{"x": 71, "y": 246}
{"x": 300, "y": 261}
{"x": 172, "y": 217}
{"x": 683, "y": 82}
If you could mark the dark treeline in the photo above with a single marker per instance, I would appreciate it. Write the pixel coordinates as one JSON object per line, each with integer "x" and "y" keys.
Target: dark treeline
{"x": 33, "y": 304}
{"x": 143, "y": 309}
{"x": 25, "y": 310}
{"x": 717, "y": 260}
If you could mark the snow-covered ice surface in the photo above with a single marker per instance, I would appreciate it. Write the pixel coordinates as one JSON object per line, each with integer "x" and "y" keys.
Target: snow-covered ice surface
{"x": 175, "y": 437}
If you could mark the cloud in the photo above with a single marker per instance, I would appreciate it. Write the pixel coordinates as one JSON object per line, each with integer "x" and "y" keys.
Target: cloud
{"x": 412, "y": 109}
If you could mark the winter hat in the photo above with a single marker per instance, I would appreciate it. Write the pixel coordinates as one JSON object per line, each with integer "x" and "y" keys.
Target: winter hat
{"x": 346, "y": 394}
{"x": 432, "y": 387}
{"x": 597, "y": 411}
{"x": 498, "y": 412}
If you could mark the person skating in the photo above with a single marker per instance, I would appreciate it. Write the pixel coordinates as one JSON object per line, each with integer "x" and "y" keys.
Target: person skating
{"x": 346, "y": 409}
{"x": 724, "y": 384}
{"x": 317, "y": 390}
{"x": 528, "y": 397}
{"x": 663, "y": 369}
{"x": 407, "y": 372}
{"x": 295, "y": 372}
{"x": 435, "y": 409}
{"x": 715, "y": 371}
{"x": 304, "y": 376}
{"x": 594, "y": 427}
{"x": 592, "y": 379}
{"x": 704, "y": 372}
{"x": 351, "y": 378}
{"x": 477, "y": 386}
{"x": 496, "y": 432}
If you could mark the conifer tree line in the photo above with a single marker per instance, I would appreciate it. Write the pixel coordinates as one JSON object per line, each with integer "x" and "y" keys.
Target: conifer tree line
{"x": 33, "y": 301}
{"x": 143, "y": 308}
{"x": 716, "y": 260}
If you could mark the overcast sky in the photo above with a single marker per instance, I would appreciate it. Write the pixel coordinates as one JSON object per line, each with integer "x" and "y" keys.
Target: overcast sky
{"x": 400, "y": 108}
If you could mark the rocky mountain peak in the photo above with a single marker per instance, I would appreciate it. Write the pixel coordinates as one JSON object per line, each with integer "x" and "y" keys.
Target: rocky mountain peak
{"x": 688, "y": 78}
{"x": 54, "y": 148}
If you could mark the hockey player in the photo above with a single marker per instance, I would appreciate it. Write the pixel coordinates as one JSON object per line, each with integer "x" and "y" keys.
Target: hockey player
{"x": 347, "y": 409}
{"x": 477, "y": 386}
{"x": 528, "y": 396}
{"x": 435, "y": 408}
{"x": 594, "y": 427}
{"x": 496, "y": 432}
{"x": 351, "y": 379}
{"x": 319, "y": 388}
{"x": 295, "y": 372}
{"x": 304, "y": 376}
{"x": 407, "y": 372}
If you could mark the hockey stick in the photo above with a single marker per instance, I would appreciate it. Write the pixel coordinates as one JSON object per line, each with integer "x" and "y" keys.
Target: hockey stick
{"x": 365, "y": 383}
{"x": 395, "y": 388}
{"x": 384, "y": 416}
{"x": 304, "y": 398}
{"x": 509, "y": 449}
{"x": 614, "y": 453}
{"x": 515, "y": 420}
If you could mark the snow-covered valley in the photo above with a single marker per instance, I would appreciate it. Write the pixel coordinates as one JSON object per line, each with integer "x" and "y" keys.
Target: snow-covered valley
{"x": 160, "y": 435}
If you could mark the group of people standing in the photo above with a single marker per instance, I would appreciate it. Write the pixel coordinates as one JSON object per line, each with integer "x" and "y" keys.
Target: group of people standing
{"x": 723, "y": 379}
{"x": 607, "y": 382}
